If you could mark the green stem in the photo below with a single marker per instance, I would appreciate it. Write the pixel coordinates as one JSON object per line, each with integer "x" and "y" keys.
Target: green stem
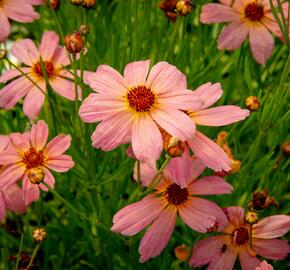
{"x": 33, "y": 256}
{"x": 20, "y": 249}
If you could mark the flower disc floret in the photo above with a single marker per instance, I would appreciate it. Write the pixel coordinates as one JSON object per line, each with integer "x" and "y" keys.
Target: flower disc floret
{"x": 176, "y": 195}
{"x": 33, "y": 158}
{"x": 240, "y": 236}
{"x": 49, "y": 68}
{"x": 254, "y": 12}
{"x": 141, "y": 98}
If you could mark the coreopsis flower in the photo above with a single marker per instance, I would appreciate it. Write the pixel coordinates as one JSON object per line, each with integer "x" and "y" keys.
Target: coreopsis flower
{"x": 10, "y": 196}
{"x": 133, "y": 107}
{"x": 264, "y": 266}
{"x": 208, "y": 151}
{"x": 246, "y": 18}
{"x": 176, "y": 194}
{"x": 16, "y": 10}
{"x": 54, "y": 58}
{"x": 221, "y": 251}
{"x": 29, "y": 154}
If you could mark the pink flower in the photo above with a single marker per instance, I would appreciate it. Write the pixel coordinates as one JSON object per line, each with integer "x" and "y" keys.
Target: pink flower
{"x": 246, "y": 18}
{"x": 205, "y": 149}
{"x": 220, "y": 252}
{"x": 29, "y": 158}
{"x": 11, "y": 196}
{"x": 132, "y": 107}
{"x": 17, "y": 10}
{"x": 54, "y": 58}
{"x": 176, "y": 194}
{"x": 264, "y": 266}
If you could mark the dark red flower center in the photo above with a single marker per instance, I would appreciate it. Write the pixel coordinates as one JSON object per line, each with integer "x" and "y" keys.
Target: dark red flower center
{"x": 254, "y": 12}
{"x": 49, "y": 68}
{"x": 141, "y": 98}
{"x": 176, "y": 195}
{"x": 240, "y": 236}
{"x": 33, "y": 159}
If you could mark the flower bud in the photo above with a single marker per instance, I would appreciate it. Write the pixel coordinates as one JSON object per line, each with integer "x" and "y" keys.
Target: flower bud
{"x": 182, "y": 252}
{"x": 235, "y": 165}
{"x": 39, "y": 235}
{"x": 2, "y": 54}
{"x": 74, "y": 42}
{"x": 286, "y": 148}
{"x": 76, "y": 2}
{"x": 252, "y": 103}
{"x": 84, "y": 29}
{"x": 173, "y": 146}
{"x": 54, "y": 4}
{"x": 251, "y": 217}
{"x": 184, "y": 7}
{"x": 169, "y": 8}
{"x": 89, "y": 3}
{"x": 36, "y": 175}
{"x": 261, "y": 200}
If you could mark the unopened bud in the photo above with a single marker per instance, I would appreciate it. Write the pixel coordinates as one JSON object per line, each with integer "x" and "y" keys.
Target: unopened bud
{"x": 84, "y": 29}
{"x": 261, "y": 200}
{"x": 235, "y": 166}
{"x": 286, "y": 148}
{"x": 74, "y": 42}
{"x": 173, "y": 146}
{"x": 89, "y": 3}
{"x": 54, "y": 4}
{"x": 169, "y": 8}
{"x": 251, "y": 217}
{"x": 39, "y": 235}
{"x": 76, "y": 2}
{"x": 184, "y": 7}
{"x": 36, "y": 175}
{"x": 252, "y": 103}
{"x": 2, "y": 54}
{"x": 182, "y": 252}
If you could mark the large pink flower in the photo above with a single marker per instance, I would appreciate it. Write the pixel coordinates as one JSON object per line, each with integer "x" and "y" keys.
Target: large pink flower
{"x": 29, "y": 158}
{"x": 176, "y": 194}
{"x": 17, "y": 10}
{"x": 220, "y": 252}
{"x": 251, "y": 18}
{"x": 54, "y": 58}
{"x": 205, "y": 149}
{"x": 11, "y": 196}
{"x": 132, "y": 107}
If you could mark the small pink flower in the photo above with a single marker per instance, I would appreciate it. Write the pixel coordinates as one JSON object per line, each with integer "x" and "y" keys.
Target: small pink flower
{"x": 11, "y": 196}
{"x": 205, "y": 149}
{"x": 29, "y": 158}
{"x": 251, "y": 18}
{"x": 17, "y": 10}
{"x": 220, "y": 252}
{"x": 264, "y": 266}
{"x": 175, "y": 195}
{"x": 54, "y": 58}
{"x": 133, "y": 107}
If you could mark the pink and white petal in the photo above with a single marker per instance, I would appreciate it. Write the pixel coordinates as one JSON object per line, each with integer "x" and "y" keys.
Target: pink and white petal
{"x": 197, "y": 167}
{"x": 60, "y": 57}
{"x": 25, "y": 51}
{"x": 164, "y": 78}
{"x": 137, "y": 216}
{"x": 274, "y": 249}
{"x": 113, "y": 131}
{"x": 9, "y": 157}
{"x": 179, "y": 169}
{"x": 147, "y": 173}
{"x": 210, "y": 185}
{"x": 5, "y": 26}
{"x": 180, "y": 99}
{"x": 39, "y": 135}
{"x": 30, "y": 191}
{"x": 13, "y": 73}
{"x": 261, "y": 43}
{"x": 65, "y": 88}
{"x": 215, "y": 13}
{"x": 11, "y": 174}
{"x": 158, "y": 235}
{"x": 48, "y": 179}
{"x": 175, "y": 122}
{"x": 49, "y": 44}
{"x": 108, "y": 80}
{"x": 272, "y": 226}
{"x": 233, "y": 35}
{"x": 98, "y": 107}
{"x": 220, "y": 116}
{"x": 135, "y": 73}
{"x": 61, "y": 163}
{"x": 235, "y": 214}
{"x": 147, "y": 141}
{"x": 206, "y": 251}
{"x": 225, "y": 261}
{"x": 33, "y": 102}
{"x": 20, "y": 141}
{"x": 211, "y": 154}
{"x": 209, "y": 94}
{"x": 13, "y": 198}
{"x": 57, "y": 145}
{"x": 247, "y": 261}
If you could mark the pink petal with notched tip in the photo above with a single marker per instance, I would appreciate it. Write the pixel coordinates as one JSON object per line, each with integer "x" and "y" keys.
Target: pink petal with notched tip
{"x": 210, "y": 153}
{"x": 233, "y": 35}
{"x": 215, "y": 13}
{"x": 30, "y": 191}
{"x": 113, "y": 131}
{"x": 49, "y": 44}
{"x": 220, "y": 116}
{"x": 5, "y": 26}
{"x": 25, "y": 51}
{"x": 39, "y": 135}
{"x": 158, "y": 235}
{"x": 164, "y": 78}
{"x": 13, "y": 73}
{"x": 272, "y": 226}
{"x": 135, "y": 73}
{"x": 147, "y": 141}
{"x": 60, "y": 163}
{"x": 57, "y": 145}
{"x": 247, "y": 261}
{"x": 13, "y": 198}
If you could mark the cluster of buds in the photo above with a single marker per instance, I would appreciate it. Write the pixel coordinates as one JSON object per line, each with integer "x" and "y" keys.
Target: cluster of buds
{"x": 252, "y": 103}
{"x": 74, "y": 42}
{"x": 172, "y": 145}
{"x": 54, "y": 4}
{"x": 261, "y": 200}
{"x": 84, "y": 3}
{"x": 39, "y": 235}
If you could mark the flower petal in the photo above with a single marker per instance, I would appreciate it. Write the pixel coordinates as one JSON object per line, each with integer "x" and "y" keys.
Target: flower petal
{"x": 20, "y": 141}
{"x": 48, "y": 179}
{"x": 11, "y": 174}
{"x": 2, "y": 206}
{"x": 147, "y": 173}
{"x": 13, "y": 199}
{"x": 235, "y": 214}
{"x": 215, "y": 13}
{"x": 60, "y": 57}
{"x": 39, "y": 135}
{"x": 197, "y": 167}
{"x": 13, "y": 73}
{"x": 135, "y": 73}
{"x": 65, "y": 88}
{"x": 225, "y": 261}
{"x": 30, "y": 191}
{"x": 49, "y": 44}
{"x": 57, "y": 145}
{"x": 9, "y": 157}
{"x": 5, "y": 26}
{"x": 158, "y": 235}
{"x": 247, "y": 261}
{"x": 60, "y": 163}
{"x": 25, "y": 51}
